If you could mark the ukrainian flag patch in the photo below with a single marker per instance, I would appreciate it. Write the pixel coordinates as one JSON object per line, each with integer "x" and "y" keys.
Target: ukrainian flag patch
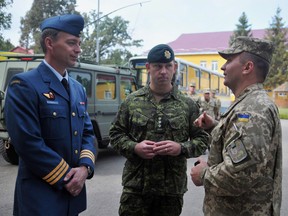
{"x": 243, "y": 117}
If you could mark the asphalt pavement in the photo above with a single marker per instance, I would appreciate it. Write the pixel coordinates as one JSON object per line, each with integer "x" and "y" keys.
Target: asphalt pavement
{"x": 104, "y": 189}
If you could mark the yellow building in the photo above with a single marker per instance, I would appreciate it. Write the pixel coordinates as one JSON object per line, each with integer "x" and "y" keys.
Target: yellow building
{"x": 202, "y": 48}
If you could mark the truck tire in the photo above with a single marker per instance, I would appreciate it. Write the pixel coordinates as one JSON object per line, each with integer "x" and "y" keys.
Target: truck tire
{"x": 8, "y": 152}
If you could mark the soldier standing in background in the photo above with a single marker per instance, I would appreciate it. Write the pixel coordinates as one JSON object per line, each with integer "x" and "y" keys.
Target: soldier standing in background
{"x": 243, "y": 175}
{"x": 217, "y": 104}
{"x": 207, "y": 104}
{"x": 154, "y": 130}
{"x": 193, "y": 94}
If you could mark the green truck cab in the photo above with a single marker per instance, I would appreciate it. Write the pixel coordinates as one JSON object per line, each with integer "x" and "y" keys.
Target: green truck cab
{"x": 106, "y": 87}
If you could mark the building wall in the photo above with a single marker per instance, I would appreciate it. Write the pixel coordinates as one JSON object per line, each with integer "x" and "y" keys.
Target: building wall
{"x": 198, "y": 58}
{"x": 281, "y": 99}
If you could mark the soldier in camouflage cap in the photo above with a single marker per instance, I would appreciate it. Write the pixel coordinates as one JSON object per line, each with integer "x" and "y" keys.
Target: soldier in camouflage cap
{"x": 243, "y": 174}
{"x": 255, "y": 46}
{"x": 193, "y": 94}
{"x": 154, "y": 130}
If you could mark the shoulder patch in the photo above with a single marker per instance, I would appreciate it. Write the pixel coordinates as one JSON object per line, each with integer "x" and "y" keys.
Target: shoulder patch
{"x": 237, "y": 151}
{"x": 242, "y": 117}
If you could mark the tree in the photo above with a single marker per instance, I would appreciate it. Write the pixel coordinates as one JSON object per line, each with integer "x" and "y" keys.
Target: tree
{"x": 5, "y": 45}
{"x": 277, "y": 33}
{"x": 5, "y": 23}
{"x": 243, "y": 28}
{"x": 113, "y": 36}
{"x": 40, "y": 10}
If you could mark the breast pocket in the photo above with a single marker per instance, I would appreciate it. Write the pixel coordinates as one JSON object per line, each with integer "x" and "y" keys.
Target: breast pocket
{"x": 81, "y": 111}
{"x": 179, "y": 127}
{"x": 53, "y": 122}
{"x": 138, "y": 126}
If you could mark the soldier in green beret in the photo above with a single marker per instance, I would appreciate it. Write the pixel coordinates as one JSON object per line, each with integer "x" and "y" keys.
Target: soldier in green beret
{"x": 154, "y": 130}
{"x": 243, "y": 174}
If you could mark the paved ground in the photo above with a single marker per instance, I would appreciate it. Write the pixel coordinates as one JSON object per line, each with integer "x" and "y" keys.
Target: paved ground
{"x": 104, "y": 189}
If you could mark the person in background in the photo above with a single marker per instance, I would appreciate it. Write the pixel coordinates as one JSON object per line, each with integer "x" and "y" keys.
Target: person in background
{"x": 193, "y": 94}
{"x": 217, "y": 102}
{"x": 243, "y": 175}
{"x": 50, "y": 128}
{"x": 154, "y": 130}
{"x": 207, "y": 104}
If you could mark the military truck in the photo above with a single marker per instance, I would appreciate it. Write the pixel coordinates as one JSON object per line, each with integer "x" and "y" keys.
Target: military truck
{"x": 106, "y": 88}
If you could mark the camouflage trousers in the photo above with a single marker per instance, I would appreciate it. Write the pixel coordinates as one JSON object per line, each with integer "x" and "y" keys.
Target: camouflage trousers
{"x": 150, "y": 205}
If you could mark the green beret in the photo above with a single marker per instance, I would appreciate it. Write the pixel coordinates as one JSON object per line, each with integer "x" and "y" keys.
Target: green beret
{"x": 161, "y": 53}
{"x": 69, "y": 23}
{"x": 262, "y": 48}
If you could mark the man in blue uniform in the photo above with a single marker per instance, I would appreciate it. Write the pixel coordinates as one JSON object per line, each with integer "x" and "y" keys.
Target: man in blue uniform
{"x": 50, "y": 128}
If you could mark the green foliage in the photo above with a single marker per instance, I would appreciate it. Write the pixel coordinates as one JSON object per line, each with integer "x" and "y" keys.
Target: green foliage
{"x": 112, "y": 33}
{"x": 243, "y": 28}
{"x": 279, "y": 65}
{"x": 5, "y": 18}
{"x": 5, "y": 45}
{"x": 40, "y": 10}
{"x": 283, "y": 113}
{"x": 5, "y": 22}
{"x": 113, "y": 39}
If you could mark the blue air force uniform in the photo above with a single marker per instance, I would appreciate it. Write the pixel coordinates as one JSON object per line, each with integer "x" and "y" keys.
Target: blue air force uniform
{"x": 52, "y": 133}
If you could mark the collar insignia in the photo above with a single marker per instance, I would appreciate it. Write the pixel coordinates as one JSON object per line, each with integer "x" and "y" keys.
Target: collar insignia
{"x": 49, "y": 95}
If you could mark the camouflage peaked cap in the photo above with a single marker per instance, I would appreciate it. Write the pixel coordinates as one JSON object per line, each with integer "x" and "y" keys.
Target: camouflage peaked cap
{"x": 161, "y": 53}
{"x": 192, "y": 84}
{"x": 256, "y": 46}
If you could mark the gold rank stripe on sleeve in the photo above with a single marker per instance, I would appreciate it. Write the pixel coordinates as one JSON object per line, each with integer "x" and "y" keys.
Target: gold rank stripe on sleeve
{"x": 87, "y": 154}
{"x": 56, "y": 173}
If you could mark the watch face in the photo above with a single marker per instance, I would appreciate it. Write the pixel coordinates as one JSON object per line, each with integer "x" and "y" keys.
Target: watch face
{"x": 89, "y": 170}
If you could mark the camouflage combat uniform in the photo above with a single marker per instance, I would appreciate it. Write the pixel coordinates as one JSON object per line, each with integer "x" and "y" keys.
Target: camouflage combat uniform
{"x": 209, "y": 107}
{"x": 217, "y": 107}
{"x": 245, "y": 160}
{"x": 195, "y": 97}
{"x": 140, "y": 118}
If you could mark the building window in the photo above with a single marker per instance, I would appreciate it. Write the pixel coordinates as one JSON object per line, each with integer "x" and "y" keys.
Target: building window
{"x": 105, "y": 87}
{"x": 214, "y": 66}
{"x": 203, "y": 64}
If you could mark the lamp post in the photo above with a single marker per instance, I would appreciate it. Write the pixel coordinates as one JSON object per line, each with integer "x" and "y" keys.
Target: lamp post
{"x": 98, "y": 22}
{"x": 97, "y": 34}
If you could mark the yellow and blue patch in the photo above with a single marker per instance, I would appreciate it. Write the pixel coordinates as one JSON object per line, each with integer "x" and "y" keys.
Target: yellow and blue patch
{"x": 243, "y": 117}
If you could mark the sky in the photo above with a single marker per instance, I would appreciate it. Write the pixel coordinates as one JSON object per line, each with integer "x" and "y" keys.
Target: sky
{"x": 163, "y": 21}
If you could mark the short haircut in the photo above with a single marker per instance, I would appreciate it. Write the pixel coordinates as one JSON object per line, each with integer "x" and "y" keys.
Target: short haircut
{"x": 261, "y": 64}
{"x": 52, "y": 33}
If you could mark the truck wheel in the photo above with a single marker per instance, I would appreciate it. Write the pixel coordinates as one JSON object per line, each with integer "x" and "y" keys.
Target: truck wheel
{"x": 8, "y": 152}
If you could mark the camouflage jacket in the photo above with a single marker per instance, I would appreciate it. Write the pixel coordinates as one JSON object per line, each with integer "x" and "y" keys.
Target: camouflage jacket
{"x": 210, "y": 107}
{"x": 245, "y": 161}
{"x": 137, "y": 120}
{"x": 196, "y": 98}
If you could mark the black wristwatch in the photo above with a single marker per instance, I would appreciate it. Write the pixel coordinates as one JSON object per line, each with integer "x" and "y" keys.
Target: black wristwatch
{"x": 89, "y": 170}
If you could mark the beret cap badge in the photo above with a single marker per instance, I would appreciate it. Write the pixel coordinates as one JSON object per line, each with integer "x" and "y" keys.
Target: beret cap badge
{"x": 167, "y": 54}
{"x": 161, "y": 53}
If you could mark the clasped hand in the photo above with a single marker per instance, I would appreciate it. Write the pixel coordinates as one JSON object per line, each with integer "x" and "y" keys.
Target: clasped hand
{"x": 76, "y": 178}
{"x": 148, "y": 149}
